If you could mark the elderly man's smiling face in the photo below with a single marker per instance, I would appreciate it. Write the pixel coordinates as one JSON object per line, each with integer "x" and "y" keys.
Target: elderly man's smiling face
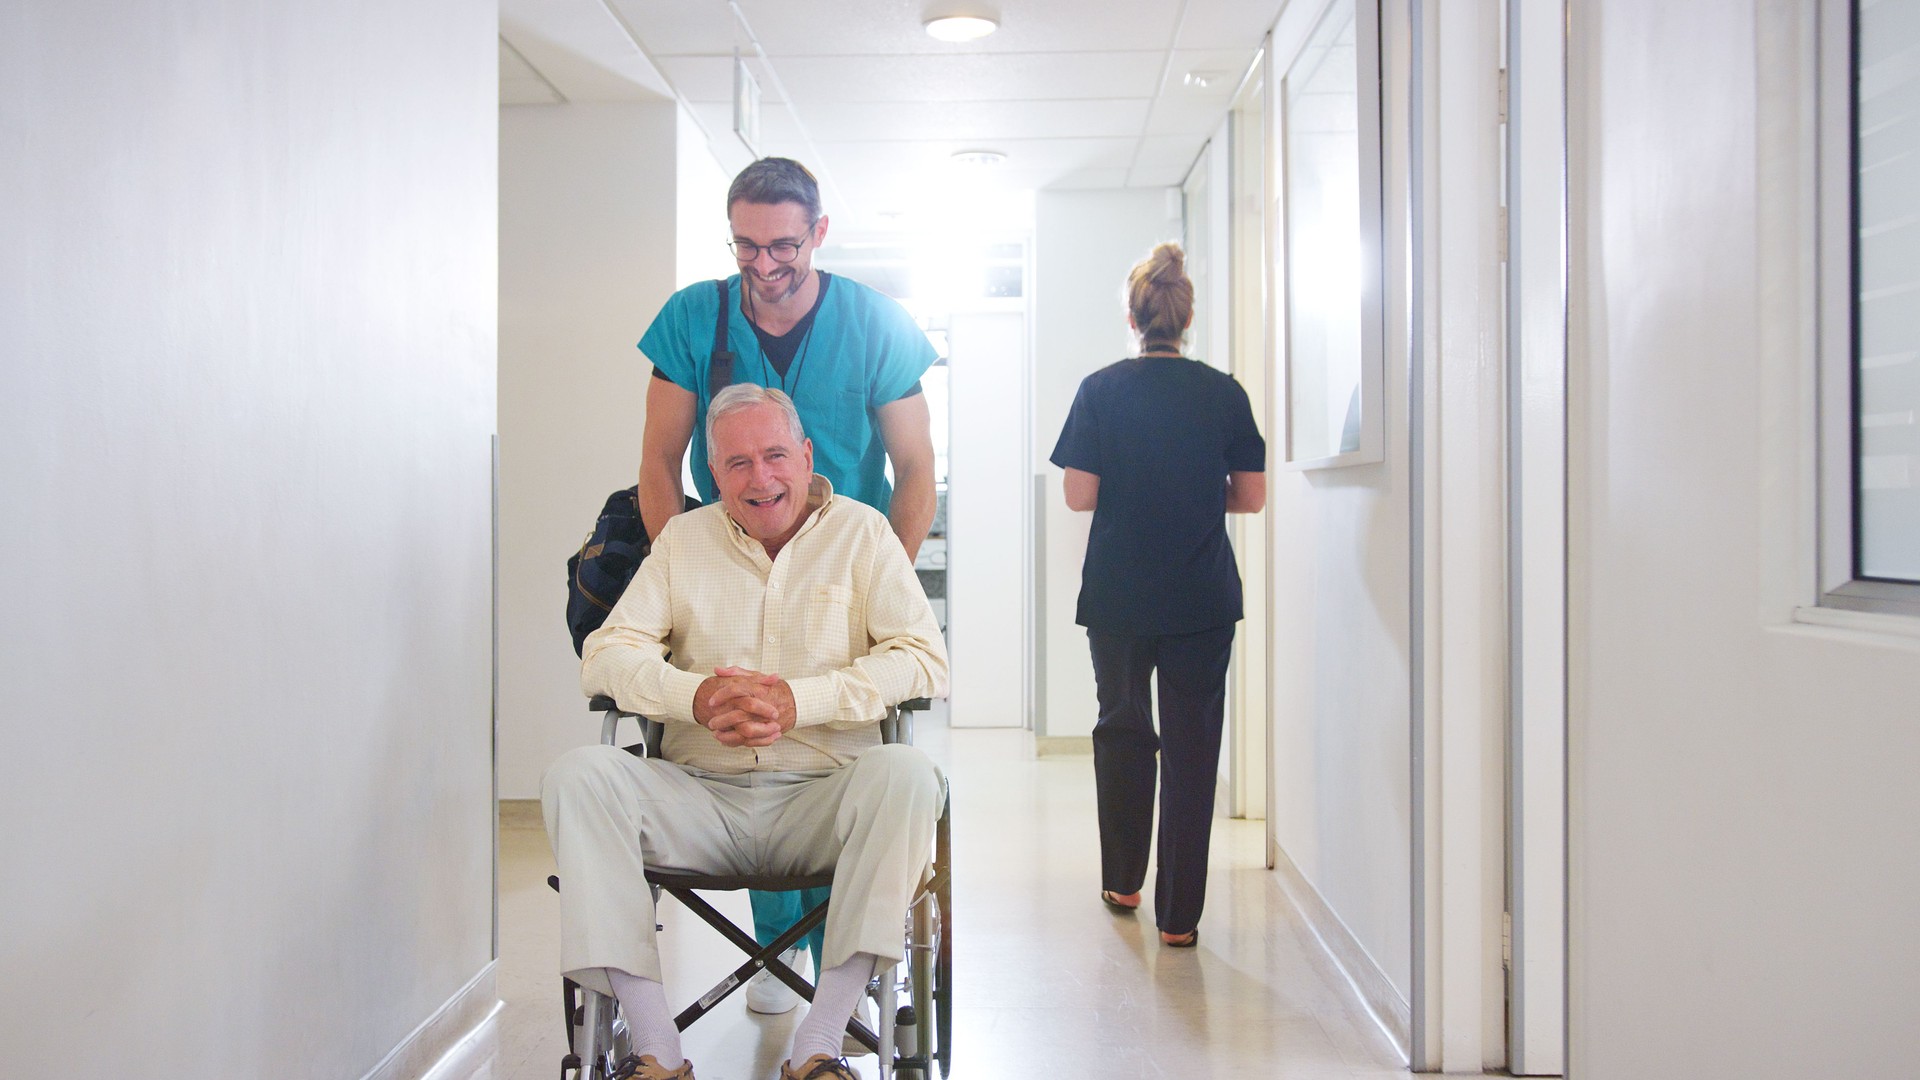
{"x": 762, "y": 472}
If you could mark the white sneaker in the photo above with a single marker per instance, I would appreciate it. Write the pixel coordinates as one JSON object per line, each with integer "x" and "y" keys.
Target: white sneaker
{"x": 766, "y": 994}
{"x": 863, "y": 1012}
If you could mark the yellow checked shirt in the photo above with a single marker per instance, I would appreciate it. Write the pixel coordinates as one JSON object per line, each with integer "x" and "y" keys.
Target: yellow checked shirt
{"x": 840, "y": 615}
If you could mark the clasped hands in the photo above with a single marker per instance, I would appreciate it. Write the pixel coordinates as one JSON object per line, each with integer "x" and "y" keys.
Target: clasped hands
{"x": 743, "y": 707}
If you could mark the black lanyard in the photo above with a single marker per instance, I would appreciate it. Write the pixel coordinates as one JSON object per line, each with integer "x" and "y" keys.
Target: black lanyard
{"x": 789, "y": 381}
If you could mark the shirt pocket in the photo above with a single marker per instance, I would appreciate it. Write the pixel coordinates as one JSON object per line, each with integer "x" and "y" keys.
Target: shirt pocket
{"x": 826, "y": 620}
{"x": 851, "y": 422}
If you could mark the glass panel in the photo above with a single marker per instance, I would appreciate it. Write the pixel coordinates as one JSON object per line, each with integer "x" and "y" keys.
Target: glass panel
{"x": 1887, "y": 303}
{"x": 1324, "y": 246}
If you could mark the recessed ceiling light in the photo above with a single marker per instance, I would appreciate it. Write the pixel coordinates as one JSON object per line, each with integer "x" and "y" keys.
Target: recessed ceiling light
{"x": 1200, "y": 80}
{"x": 978, "y": 157}
{"x": 961, "y": 27}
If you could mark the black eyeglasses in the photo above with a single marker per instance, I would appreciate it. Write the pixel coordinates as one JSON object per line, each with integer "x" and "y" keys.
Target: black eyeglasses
{"x": 782, "y": 250}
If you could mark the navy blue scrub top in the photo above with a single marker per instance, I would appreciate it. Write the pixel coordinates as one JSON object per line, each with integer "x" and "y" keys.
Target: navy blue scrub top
{"x": 1161, "y": 433}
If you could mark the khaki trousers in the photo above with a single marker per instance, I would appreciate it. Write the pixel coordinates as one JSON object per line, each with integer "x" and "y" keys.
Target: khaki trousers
{"x": 611, "y": 815}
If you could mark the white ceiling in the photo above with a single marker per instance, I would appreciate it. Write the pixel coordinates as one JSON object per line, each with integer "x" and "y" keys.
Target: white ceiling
{"x": 1075, "y": 93}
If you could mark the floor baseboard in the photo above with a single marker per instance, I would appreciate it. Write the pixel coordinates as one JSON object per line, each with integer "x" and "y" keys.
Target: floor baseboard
{"x": 1063, "y": 745}
{"x": 446, "y": 1029}
{"x": 521, "y": 814}
{"x": 1376, "y": 991}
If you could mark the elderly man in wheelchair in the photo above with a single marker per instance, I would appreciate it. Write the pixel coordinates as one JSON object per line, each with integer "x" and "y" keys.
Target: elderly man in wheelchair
{"x": 769, "y": 633}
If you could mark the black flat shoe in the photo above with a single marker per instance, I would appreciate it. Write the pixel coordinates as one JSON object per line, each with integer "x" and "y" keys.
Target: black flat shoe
{"x": 1180, "y": 941}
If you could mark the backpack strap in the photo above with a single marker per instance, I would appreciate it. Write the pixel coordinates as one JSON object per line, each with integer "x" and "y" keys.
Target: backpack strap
{"x": 720, "y": 364}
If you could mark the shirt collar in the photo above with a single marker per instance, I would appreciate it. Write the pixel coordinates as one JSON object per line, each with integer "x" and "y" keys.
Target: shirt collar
{"x": 819, "y": 498}
{"x": 819, "y": 501}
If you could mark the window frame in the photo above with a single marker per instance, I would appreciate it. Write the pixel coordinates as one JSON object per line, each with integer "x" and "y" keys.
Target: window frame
{"x": 1290, "y": 37}
{"x": 1840, "y": 583}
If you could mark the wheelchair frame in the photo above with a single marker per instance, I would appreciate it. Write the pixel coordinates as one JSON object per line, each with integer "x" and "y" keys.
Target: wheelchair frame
{"x": 914, "y": 999}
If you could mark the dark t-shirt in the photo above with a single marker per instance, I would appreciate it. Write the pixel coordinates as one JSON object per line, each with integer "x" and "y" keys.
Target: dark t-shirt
{"x": 1162, "y": 433}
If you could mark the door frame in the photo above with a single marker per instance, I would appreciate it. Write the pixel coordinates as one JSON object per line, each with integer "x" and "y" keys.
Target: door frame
{"x": 1247, "y": 182}
{"x": 1536, "y": 152}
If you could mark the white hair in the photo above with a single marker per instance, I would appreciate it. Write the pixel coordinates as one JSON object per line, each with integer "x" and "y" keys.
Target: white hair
{"x": 746, "y": 395}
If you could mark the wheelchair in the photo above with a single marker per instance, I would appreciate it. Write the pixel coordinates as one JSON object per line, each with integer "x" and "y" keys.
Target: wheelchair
{"x": 914, "y": 999}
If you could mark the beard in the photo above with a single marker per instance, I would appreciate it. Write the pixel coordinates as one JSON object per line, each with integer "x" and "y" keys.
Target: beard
{"x": 766, "y": 290}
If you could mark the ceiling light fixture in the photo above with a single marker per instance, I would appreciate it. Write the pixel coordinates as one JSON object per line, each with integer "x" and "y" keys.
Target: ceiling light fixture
{"x": 961, "y": 27}
{"x": 978, "y": 158}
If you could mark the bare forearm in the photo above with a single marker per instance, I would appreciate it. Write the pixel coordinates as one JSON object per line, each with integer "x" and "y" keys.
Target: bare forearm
{"x": 661, "y": 496}
{"x": 911, "y": 512}
{"x": 663, "y": 451}
{"x": 906, "y": 429}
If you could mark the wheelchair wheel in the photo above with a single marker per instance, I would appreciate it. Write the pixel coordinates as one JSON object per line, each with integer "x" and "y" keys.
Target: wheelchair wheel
{"x": 941, "y": 1013}
{"x": 913, "y": 1020}
{"x": 924, "y": 1022}
{"x": 600, "y": 1039}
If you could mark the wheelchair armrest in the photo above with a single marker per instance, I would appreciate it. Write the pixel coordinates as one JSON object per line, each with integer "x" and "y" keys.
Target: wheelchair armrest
{"x": 897, "y": 725}
{"x": 651, "y": 731}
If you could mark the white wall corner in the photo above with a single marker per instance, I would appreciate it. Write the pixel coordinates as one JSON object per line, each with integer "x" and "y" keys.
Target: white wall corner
{"x": 583, "y": 50}
{"x": 591, "y": 211}
{"x": 440, "y": 1036}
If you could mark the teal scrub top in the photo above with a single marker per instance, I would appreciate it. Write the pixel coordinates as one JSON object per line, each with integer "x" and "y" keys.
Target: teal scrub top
{"x": 865, "y": 351}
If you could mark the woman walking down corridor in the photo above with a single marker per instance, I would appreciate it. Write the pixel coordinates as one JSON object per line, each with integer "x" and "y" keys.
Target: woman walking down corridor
{"x": 1161, "y": 448}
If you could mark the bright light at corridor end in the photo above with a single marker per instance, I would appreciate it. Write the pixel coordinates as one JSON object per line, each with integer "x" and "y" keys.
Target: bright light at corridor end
{"x": 961, "y": 27}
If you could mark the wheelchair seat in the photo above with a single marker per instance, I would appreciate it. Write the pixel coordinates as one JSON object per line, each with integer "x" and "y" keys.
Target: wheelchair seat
{"x": 915, "y": 999}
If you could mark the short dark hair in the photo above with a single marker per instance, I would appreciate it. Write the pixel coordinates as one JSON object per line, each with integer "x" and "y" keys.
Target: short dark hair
{"x": 774, "y": 180}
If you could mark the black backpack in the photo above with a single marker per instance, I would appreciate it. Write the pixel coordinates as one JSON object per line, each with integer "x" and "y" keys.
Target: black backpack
{"x": 599, "y": 572}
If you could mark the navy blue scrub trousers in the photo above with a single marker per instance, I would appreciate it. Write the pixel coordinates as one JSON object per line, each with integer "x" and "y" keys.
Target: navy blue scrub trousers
{"x": 1128, "y": 757}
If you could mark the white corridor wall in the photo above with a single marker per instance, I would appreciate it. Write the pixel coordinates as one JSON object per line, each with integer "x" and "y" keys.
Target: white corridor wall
{"x": 246, "y": 408}
{"x": 1743, "y": 814}
{"x": 1084, "y": 244}
{"x": 604, "y": 209}
{"x": 987, "y": 492}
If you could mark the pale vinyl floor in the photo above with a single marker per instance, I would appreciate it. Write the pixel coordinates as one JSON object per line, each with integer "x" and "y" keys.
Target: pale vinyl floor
{"x": 1048, "y": 984}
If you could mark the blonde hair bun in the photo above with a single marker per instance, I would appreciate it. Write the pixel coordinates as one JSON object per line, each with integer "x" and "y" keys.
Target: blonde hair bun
{"x": 1160, "y": 298}
{"x": 1168, "y": 261}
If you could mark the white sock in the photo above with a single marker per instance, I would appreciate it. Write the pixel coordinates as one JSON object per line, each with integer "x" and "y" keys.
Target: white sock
{"x": 649, "y": 1024}
{"x": 834, "y": 997}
